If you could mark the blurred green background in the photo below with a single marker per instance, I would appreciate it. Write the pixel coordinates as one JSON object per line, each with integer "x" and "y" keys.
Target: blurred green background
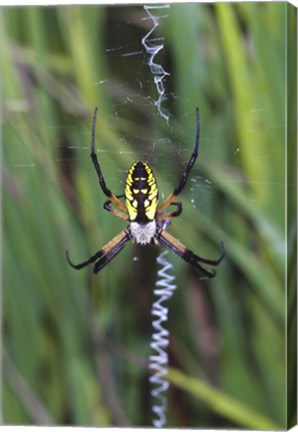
{"x": 76, "y": 345}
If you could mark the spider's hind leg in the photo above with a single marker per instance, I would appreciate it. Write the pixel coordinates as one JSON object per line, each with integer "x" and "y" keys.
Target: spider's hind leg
{"x": 214, "y": 262}
{"x": 187, "y": 255}
{"x": 85, "y": 263}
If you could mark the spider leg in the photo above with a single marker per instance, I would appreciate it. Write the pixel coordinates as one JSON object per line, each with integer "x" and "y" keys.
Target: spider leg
{"x": 85, "y": 263}
{"x": 107, "y": 206}
{"x": 106, "y": 253}
{"x": 177, "y": 212}
{"x": 101, "y": 180}
{"x": 187, "y": 255}
{"x": 112, "y": 249}
{"x": 187, "y": 171}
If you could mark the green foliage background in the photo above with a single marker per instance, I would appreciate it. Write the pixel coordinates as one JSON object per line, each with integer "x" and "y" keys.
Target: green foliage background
{"x": 76, "y": 345}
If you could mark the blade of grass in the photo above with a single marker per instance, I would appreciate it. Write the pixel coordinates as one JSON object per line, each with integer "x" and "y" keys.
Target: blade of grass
{"x": 221, "y": 403}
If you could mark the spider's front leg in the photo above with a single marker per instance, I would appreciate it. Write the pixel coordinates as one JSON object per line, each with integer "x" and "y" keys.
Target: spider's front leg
{"x": 101, "y": 179}
{"x": 188, "y": 169}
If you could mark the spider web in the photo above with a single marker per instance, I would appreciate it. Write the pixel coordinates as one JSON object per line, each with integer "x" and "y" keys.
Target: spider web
{"x": 138, "y": 82}
{"x": 152, "y": 93}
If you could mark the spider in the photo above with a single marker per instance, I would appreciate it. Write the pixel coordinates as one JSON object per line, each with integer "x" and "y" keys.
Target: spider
{"x": 147, "y": 219}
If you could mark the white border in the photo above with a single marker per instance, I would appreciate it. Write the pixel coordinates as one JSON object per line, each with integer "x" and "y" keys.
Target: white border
{"x": 108, "y": 3}
{"x": 12, "y": 3}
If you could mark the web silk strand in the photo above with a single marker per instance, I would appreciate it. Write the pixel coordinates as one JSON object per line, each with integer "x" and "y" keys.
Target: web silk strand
{"x": 158, "y": 362}
{"x": 153, "y": 46}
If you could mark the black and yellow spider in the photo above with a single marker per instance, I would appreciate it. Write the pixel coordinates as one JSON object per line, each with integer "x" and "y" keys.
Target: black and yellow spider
{"x": 147, "y": 219}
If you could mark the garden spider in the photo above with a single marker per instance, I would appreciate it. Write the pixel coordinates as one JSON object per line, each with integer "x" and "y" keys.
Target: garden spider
{"x": 147, "y": 219}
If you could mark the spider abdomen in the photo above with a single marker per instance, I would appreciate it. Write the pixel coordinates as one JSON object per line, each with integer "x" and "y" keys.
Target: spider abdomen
{"x": 141, "y": 193}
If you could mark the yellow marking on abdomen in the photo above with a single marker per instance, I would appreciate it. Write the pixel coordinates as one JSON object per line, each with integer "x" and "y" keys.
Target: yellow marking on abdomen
{"x": 141, "y": 193}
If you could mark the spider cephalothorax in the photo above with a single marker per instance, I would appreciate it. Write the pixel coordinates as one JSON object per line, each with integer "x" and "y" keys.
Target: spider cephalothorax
{"x": 147, "y": 219}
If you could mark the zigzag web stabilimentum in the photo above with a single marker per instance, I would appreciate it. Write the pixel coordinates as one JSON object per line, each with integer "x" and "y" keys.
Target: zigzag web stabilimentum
{"x": 152, "y": 47}
{"x": 164, "y": 287}
{"x": 158, "y": 363}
